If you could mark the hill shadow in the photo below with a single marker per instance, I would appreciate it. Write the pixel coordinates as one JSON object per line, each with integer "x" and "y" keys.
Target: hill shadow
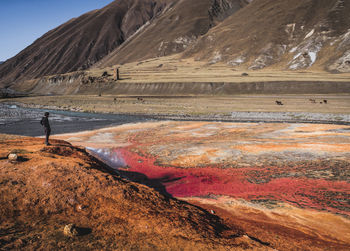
{"x": 137, "y": 177}
{"x": 156, "y": 184}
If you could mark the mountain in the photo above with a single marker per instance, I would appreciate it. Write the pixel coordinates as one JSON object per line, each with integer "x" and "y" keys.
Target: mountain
{"x": 283, "y": 34}
{"x": 1, "y": 62}
{"x": 174, "y": 31}
{"x": 82, "y": 41}
{"x": 163, "y": 27}
{"x": 243, "y": 34}
{"x": 280, "y": 34}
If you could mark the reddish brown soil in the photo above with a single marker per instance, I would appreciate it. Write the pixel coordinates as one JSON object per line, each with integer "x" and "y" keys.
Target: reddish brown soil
{"x": 50, "y": 186}
{"x": 279, "y": 227}
{"x": 285, "y": 183}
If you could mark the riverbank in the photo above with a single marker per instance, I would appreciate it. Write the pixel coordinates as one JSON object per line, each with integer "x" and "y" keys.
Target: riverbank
{"x": 25, "y": 121}
{"x": 190, "y": 105}
{"x": 21, "y": 116}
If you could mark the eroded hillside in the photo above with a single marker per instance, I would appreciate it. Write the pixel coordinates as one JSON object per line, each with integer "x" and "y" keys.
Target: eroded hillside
{"x": 49, "y": 187}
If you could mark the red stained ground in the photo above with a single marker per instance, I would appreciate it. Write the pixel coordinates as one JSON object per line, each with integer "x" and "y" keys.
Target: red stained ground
{"x": 241, "y": 183}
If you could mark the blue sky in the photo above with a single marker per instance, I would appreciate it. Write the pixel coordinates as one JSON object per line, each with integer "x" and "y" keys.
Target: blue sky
{"x": 24, "y": 21}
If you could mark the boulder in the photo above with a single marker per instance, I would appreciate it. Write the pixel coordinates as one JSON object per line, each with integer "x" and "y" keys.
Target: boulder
{"x": 12, "y": 157}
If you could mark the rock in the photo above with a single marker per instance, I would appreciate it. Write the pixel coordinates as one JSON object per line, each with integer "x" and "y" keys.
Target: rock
{"x": 79, "y": 207}
{"x": 245, "y": 74}
{"x": 70, "y": 230}
{"x": 12, "y": 157}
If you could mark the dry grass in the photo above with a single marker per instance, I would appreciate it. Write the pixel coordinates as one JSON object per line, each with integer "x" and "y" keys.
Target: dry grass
{"x": 199, "y": 105}
{"x": 173, "y": 69}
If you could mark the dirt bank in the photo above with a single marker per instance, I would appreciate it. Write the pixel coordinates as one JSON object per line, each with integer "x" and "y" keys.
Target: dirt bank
{"x": 66, "y": 87}
{"x": 49, "y": 187}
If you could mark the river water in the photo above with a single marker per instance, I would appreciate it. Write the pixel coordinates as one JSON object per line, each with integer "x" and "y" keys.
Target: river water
{"x": 26, "y": 121}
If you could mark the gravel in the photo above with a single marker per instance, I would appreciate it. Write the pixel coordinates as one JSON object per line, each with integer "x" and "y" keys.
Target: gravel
{"x": 17, "y": 120}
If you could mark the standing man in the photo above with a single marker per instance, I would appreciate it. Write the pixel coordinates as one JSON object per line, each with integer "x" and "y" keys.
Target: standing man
{"x": 45, "y": 123}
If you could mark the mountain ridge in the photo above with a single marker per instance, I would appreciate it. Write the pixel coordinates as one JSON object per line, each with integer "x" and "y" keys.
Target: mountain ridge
{"x": 80, "y": 42}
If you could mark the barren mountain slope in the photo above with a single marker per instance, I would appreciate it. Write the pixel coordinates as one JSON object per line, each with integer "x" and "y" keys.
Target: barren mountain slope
{"x": 175, "y": 30}
{"x": 283, "y": 33}
{"x": 81, "y": 41}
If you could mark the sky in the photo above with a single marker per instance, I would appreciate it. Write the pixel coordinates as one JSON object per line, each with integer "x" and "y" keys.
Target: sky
{"x": 24, "y": 21}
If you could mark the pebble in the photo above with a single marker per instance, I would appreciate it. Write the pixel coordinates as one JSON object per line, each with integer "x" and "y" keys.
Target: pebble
{"x": 70, "y": 230}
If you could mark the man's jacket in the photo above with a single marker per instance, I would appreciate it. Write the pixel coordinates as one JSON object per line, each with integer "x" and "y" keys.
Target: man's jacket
{"x": 45, "y": 122}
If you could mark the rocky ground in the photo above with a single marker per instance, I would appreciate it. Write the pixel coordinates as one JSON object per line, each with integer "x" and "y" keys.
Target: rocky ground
{"x": 44, "y": 189}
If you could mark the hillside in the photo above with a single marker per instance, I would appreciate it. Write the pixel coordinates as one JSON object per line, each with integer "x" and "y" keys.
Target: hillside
{"x": 82, "y": 41}
{"x": 49, "y": 187}
{"x": 174, "y": 31}
{"x": 282, "y": 34}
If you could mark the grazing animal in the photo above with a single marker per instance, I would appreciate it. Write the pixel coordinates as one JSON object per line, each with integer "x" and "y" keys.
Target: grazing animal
{"x": 312, "y": 101}
{"x": 325, "y": 101}
{"x": 105, "y": 74}
{"x": 279, "y": 102}
{"x": 140, "y": 99}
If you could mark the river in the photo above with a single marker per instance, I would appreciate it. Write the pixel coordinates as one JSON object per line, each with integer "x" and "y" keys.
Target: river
{"x": 26, "y": 121}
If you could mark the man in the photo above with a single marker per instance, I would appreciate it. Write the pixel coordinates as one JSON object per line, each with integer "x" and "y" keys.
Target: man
{"x": 45, "y": 123}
